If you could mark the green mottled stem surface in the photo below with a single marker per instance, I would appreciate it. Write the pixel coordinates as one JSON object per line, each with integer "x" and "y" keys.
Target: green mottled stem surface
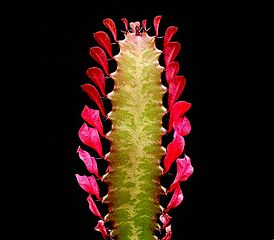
{"x": 134, "y": 178}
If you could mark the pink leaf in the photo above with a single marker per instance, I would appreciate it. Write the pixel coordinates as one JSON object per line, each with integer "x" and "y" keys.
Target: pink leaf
{"x": 176, "y": 199}
{"x": 100, "y": 57}
{"x": 97, "y": 76}
{"x": 104, "y": 41}
{"x": 144, "y": 24}
{"x": 111, "y": 26}
{"x": 171, "y": 51}
{"x": 90, "y": 137}
{"x": 92, "y": 206}
{"x": 184, "y": 171}
{"x": 168, "y": 233}
{"x": 156, "y": 23}
{"x": 176, "y": 87}
{"x": 89, "y": 161}
{"x": 171, "y": 30}
{"x": 94, "y": 95}
{"x": 178, "y": 110}
{"x": 89, "y": 184}
{"x": 174, "y": 150}
{"x": 126, "y": 23}
{"x": 165, "y": 219}
{"x": 172, "y": 70}
{"x": 100, "y": 227}
{"x": 182, "y": 126}
{"x": 92, "y": 117}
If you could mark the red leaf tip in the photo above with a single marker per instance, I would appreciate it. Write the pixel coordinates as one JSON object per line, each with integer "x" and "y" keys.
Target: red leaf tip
{"x": 124, "y": 20}
{"x": 102, "y": 229}
{"x": 176, "y": 199}
{"x": 108, "y": 22}
{"x": 89, "y": 184}
{"x": 184, "y": 171}
{"x": 156, "y": 23}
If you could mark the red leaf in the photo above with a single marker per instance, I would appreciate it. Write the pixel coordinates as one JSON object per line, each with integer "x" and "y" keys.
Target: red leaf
{"x": 104, "y": 41}
{"x": 174, "y": 150}
{"x": 102, "y": 229}
{"x": 89, "y": 161}
{"x": 184, "y": 171}
{"x": 111, "y": 26}
{"x": 182, "y": 126}
{"x": 178, "y": 110}
{"x": 156, "y": 23}
{"x": 126, "y": 23}
{"x": 176, "y": 87}
{"x": 100, "y": 57}
{"x": 165, "y": 219}
{"x": 97, "y": 76}
{"x": 144, "y": 24}
{"x": 93, "y": 208}
{"x": 172, "y": 70}
{"x": 171, "y": 30}
{"x": 168, "y": 233}
{"x": 89, "y": 184}
{"x": 176, "y": 199}
{"x": 171, "y": 51}
{"x": 90, "y": 137}
{"x": 92, "y": 117}
{"x": 94, "y": 95}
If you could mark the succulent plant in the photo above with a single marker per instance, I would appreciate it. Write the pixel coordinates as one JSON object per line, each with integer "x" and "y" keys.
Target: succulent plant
{"x": 136, "y": 160}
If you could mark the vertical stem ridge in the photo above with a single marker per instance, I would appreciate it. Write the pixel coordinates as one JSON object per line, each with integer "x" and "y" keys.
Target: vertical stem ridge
{"x": 134, "y": 177}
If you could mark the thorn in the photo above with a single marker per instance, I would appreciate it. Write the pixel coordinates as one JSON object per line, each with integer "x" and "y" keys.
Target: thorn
{"x": 106, "y": 155}
{"x": 104, "y": 198}
{"x": 165, "y": 190}
{"x": 164, "y": 148}
{"x": 162, "y": 208}
{"x": 103, "y": 177}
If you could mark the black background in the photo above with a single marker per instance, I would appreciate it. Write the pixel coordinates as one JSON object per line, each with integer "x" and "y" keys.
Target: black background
{"x": 222, "y": 196}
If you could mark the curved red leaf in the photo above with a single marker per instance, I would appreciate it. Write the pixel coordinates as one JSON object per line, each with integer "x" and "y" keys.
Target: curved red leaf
{"x": 172, "y": 70}
{"x": 92, "y": 117}
{"x": 171, "y": 51}
{"x": 104, "y": 41}
{"x": 111, "y": 26}
{"x": 126, "y": 23}
{"x": 184, "y": 171}
{"x": 156, "y": 23}
{"x": 176, "y": 199}
{"x": 174, "y": 150}
{"x": 165, "y": 219}
{"x": 178, "y": 110}
{"x": 89, "y": 161}
{"x": 90, "y": 137}
{"x": 175, "y": 89}
{"x": 100, "y": 57}
{"x": 100, "y": 227}
{"x": 89, "y": 184}
{"x": 168, "y": 233}
{"x": 97, "y": 76}
{"x": 94, "y": 95}
{"x": 93, "y": 208}
{"x": 182, "y": 126}
{"x": 144, "y": 24}
{"x": 170, "y": 31}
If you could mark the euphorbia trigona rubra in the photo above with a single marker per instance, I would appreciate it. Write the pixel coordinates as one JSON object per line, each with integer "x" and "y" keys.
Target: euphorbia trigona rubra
{"x": 135, "y": 158}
